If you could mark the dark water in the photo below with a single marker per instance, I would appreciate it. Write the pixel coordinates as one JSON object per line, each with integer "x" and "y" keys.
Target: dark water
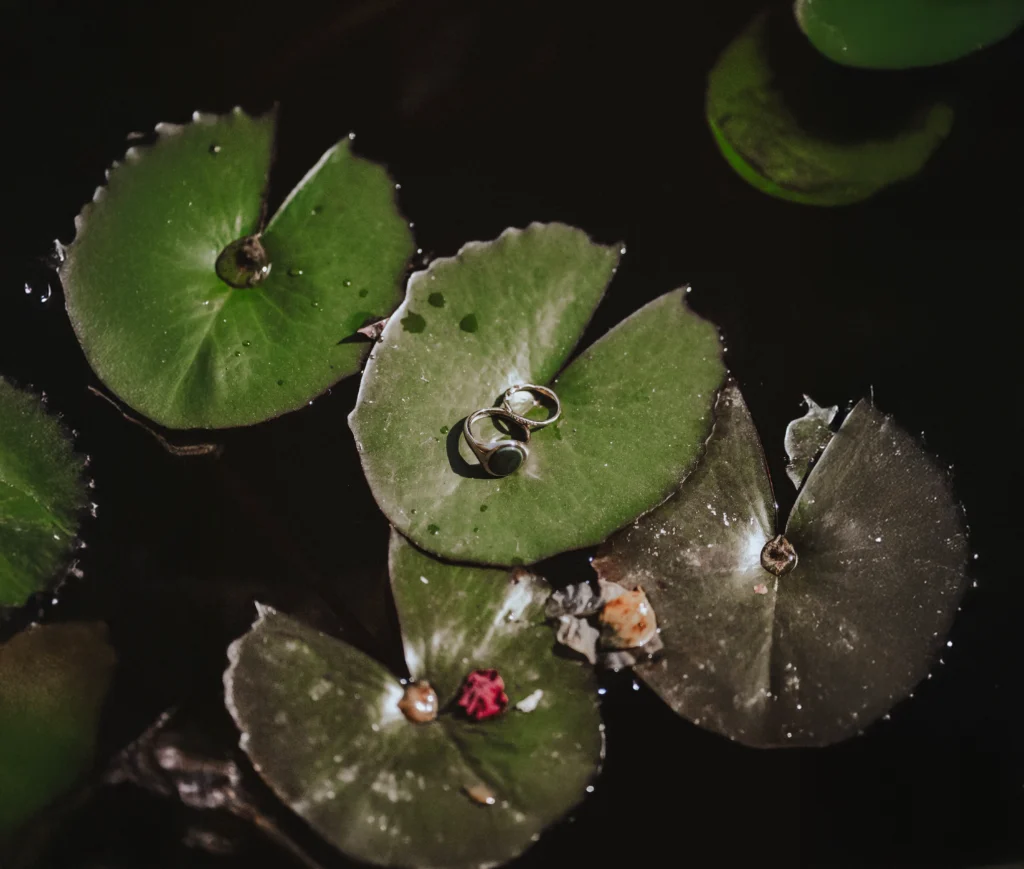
{"x": 493, "y": 115}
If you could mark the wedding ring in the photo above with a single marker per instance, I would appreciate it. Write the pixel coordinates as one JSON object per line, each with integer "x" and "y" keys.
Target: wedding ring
{"x": 501, "y": 457}
{"x": 531, "y": 424}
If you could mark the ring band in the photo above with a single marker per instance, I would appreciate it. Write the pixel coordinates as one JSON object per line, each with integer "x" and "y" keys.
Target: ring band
{"x": 499, "y": 458}
{"x": 531, "y": 424}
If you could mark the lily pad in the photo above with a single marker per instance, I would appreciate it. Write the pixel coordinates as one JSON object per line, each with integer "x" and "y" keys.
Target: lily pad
{"x": 636, "y": 406}
{"x": 806, "y": 437}
{"x": 322, "y": 724}
{"x": 813, "y": 655}
{"x": 41, "y": 496}
{"x": 195, "y": 311}
{"x": 897, "y": 34}
{"x": 770, "y": 147}
{"x": 53, "y": 680}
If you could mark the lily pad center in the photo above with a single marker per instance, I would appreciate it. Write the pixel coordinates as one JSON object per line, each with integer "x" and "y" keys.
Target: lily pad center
{"x": 243, "y": 263}
{"x": 778, "y": 556}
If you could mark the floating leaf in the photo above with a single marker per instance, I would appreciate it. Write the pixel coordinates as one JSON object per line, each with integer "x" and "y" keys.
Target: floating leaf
{"x": 41, "y": 494}
{"x": 197, "y": 315}
{"x": 636, "y": 406}
{"x": 815, "y": 654}
{"x": 322, "y": 723}
{"x": 897, "y": 34}
{"x": 766, "y": 143}
{"x": 53, "y": 680}
{"x": 806, "y": 437}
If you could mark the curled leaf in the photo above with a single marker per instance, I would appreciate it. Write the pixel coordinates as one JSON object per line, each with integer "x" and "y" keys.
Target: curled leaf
{"x": 817, "y": 648}
{"x": 806, "y": 437}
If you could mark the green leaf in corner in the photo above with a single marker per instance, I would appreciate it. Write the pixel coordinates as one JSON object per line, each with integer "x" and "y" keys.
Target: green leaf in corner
{"x": 897, "y": 34}
{"x": 322, "y": 724}
{"x": 813, "y": 650}
{"x": 766, "y": 143}
{"x": 636, "y": 406}
{"x": 41, "y": 496}
{"x": 198, "y": 314}
{"x": 53, "y": 680}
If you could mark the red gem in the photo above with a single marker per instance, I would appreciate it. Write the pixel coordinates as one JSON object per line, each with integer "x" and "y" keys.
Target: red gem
{"x": 483, "y": 694}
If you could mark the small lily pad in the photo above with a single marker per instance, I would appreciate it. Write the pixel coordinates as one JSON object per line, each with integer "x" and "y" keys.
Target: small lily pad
{"x": 769, "y": 146}
{"x": 897, "y": 34}
{"x": 636, "y": 406}
{"x": 816, "y": 649}
{"x": 806, "y": 437}
{"x": 53, "y": 680}
{"x": 41, "y": 496}
{"x": 323, "y": 725}
{"x": 199, "y": 314}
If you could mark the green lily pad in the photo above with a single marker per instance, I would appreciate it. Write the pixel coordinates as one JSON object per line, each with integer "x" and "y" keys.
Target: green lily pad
{"x": 636, "y": 406}
{"x": 767, "y": 144}
{"x": 322, "y": 725}
{"x": 813, "y": 655}
{"x": 53, "y": 680}
{"x": 41, "y": 496}
{"x": 194, "y": 328}
{"x": 897, "y": 34}
{"x": 806, "y": 437}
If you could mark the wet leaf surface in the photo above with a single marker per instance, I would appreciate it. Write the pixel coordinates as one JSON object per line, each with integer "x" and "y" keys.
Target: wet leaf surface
{"x": 41, "y": 495}
{"x": 896, "y": 34}
{"x": 322, "y": 725}
{"x": 814, "y": 655}
{"x": 53, "y": 680}
{"x": 145, "y": 276}
{"x": 806, "y": 437}
{"x": 766, "y": 143}
{"x": 636, "y": 405}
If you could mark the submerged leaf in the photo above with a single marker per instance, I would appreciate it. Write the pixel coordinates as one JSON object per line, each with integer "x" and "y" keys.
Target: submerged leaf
{"x": 322, "y": 721}
{"x": 41, "y": 495}
{"x": 197, "y": 314}
{"x": 806, "y": 437}
{"x": 897, "y": 34}
{"x": 53, "y": 679}
{"x": 813, "y": 651}
{"x": 636, "y": 406}
{"x": 766, "y": 143}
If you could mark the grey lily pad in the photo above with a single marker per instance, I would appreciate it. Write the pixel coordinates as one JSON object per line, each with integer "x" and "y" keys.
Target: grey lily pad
{"x": 636, "y": 405}
{"x": 322, "y": 724}
{"x": 768, "y": 145}
{"x": 806, "y": 437}
{"x": 41, "y": 496}
{"x": 198, "y": 313}
{"x": 814, "y": 655}
{"x": 53, "y": 680}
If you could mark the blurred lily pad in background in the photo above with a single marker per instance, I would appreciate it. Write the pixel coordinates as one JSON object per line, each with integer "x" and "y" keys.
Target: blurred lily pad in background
{"x": 53, "y": 680}
{"x": 767, "y": 135}
{"x": 636, "y": 405}
{"x": 323, "y": 723}
{"x": 41, "y": 496}
{"x": 772, "y": 648}
{"x": 197, "y": 312}
{"x": 896, "y": 34}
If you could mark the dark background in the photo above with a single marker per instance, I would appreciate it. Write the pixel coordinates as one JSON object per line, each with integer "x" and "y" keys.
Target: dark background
{"x": 493, "y": 115}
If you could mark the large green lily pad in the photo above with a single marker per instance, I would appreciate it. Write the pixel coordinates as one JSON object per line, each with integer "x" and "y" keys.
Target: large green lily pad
{"x": 41, "y": 496}
{"x": 145, "y": 292}
{"x": 896, "y": 34}
{"x": 53, "y": 680}
{"x": 767, "y": 144}
{"x": 321, "y": 722}
{"x": 814, "y": 655}
{"x": 636, "y": 406}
